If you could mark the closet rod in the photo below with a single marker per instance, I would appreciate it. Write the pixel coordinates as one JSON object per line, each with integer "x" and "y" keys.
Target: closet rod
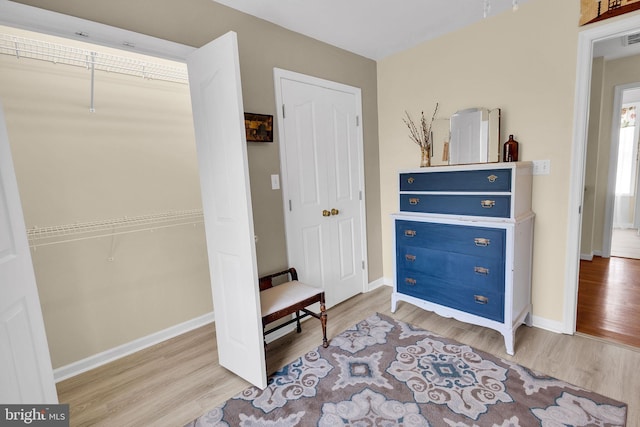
{"x": 21, "y": 47}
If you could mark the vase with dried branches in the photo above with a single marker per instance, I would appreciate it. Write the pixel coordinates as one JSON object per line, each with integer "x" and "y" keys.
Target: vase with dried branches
{"x": 421, "y": 135}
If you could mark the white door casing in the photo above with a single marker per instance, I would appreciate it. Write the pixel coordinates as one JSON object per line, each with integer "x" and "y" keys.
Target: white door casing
{"x": 26, "y": 375}
{"x": 218, "y": 115}
{"x": 586, "y": 39}
{"x": 322, "y": 166}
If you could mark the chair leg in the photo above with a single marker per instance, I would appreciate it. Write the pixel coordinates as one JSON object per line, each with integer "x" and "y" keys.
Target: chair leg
{"x": 298, "y": 327}
{"x": 323, "y": 322}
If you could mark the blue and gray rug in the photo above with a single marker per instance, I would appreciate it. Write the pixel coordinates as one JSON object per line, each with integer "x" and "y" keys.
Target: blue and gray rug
{"x": 383, "y": 372}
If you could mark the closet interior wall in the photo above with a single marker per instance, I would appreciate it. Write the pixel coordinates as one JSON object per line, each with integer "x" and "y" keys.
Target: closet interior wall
{"x": 111, "y": 200}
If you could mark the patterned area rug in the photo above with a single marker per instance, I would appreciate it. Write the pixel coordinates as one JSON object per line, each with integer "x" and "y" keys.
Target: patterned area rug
{"x": 383, "y": 372}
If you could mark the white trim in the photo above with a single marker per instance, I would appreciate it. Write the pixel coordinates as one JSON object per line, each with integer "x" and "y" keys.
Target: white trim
{"x": 278, "y": 75}
{"x": 549, "y": 325}
{"x": 587, "y": 257}
{"x": 91, "y": 362}
{"x": 56, "y": 24}
{"x": 586, "y": 39}
{"x": 383, "y": 281}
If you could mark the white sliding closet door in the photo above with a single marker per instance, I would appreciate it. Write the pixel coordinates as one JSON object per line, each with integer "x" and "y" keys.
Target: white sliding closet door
{"x": 218, "y": 115}
{"x": 26, "y": 375}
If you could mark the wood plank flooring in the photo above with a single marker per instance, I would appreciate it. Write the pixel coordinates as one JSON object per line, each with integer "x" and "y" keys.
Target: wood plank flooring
{"x": 174, "y": 382}
{"x": 609, "y": 299}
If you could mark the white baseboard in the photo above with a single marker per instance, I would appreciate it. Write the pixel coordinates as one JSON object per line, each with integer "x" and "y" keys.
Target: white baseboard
{"x": 112, "y": 354}
{"x": 377, "y": 283}
{"x": 587, "y": 257}
{"x": 549, "y": 325}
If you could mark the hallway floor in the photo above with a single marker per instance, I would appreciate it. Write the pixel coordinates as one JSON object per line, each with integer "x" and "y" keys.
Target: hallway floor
{"x": 625, "y": 242}
{"x": 609, "y": 299}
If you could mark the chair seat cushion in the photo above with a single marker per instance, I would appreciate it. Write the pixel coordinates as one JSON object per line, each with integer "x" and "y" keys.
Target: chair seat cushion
{"x": 285, "y": 295}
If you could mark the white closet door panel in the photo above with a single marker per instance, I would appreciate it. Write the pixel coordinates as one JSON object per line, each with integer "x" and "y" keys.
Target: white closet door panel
{"x": 313, "y": 244}
{"x": 346, "y": 248}
{"x": 218, "y": 114}
{"x": 342, "y": 161}
{"x": 306, "y": 153}
{"x": 26, "y": 375}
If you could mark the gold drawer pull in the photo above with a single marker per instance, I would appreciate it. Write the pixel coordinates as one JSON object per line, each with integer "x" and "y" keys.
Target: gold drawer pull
{"x": 410, "y": 180}
{"x": 410, "y": 257}
{"x": 414, "y": 201}
{"x": 488, "y": 204}
{"x": 480, "y": 299}
{"x": 410, "y": 233}
{"x": 481, "y": 270}
{"x": 482, "y": 241}
{"x": 409, "y": 281}
{"x": 492, "y": 178}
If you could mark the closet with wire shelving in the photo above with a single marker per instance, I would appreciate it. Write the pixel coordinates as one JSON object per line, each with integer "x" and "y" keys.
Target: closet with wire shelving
{"x": 105, "y": 159}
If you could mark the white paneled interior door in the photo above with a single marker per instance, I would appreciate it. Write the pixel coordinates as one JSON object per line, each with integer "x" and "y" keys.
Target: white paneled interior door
{"x": 218, "y": 115}
{"x": 321, "y": 160}
{"x": 26, "y": 375}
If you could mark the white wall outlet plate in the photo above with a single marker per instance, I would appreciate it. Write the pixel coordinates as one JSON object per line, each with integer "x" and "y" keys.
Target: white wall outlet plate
{"x": 541, "y": 167}
{"x": 275, "y": 182}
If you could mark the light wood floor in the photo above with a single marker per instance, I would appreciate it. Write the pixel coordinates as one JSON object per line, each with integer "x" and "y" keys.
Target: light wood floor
{"x": 174, "y": 382}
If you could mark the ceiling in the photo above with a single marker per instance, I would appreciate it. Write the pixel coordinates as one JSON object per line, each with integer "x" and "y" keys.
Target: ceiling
{"x": 372, "y": 28}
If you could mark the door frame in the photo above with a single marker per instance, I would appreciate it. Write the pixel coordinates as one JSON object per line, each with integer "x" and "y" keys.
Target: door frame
{"x": 278, "y": 75}
{"x": 586, "y": 39}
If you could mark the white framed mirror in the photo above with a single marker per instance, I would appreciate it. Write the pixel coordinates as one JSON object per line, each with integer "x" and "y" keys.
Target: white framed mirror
{"x": 468, "y": 136}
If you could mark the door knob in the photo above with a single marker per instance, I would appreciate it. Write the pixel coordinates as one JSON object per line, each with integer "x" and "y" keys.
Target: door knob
{"x": 335, "y": 211}
{"x": 326, "y": 213}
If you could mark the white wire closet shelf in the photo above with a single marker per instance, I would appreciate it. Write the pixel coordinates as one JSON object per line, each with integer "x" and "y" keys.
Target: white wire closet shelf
{"x": 21, "y": 47}
{"x": 44, "y": 236}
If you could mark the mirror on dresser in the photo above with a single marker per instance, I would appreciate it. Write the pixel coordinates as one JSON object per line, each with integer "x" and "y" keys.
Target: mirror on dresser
{"x": 468, "y": 136}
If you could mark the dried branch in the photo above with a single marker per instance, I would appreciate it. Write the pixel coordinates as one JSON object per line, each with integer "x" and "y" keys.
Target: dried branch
{"x": 422, "y": 135}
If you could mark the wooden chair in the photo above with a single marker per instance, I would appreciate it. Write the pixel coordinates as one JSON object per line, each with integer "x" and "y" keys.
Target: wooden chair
{"x": 278, "y": 301}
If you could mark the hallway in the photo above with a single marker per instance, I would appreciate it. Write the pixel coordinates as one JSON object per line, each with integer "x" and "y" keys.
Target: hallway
{"x": 609, "y": 299}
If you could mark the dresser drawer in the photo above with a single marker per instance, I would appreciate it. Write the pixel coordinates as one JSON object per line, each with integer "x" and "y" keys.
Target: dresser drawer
{"x": 497, "y": 206}
{"x": 481, "y": 303}
{"x": 469, "y": 180}
{"x": 485, "y": 274}
{"x": 477, "y": 241}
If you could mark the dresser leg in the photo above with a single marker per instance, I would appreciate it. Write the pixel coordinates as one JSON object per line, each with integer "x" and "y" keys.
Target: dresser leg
{"x": 394, "y": 302}
{"x": 509, "y": 339}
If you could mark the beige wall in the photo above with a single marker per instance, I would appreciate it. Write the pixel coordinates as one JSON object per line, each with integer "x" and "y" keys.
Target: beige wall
{"x": 523, "y": 62}
{"x": 614, "y": 72}
{"x": 262, "y": 47}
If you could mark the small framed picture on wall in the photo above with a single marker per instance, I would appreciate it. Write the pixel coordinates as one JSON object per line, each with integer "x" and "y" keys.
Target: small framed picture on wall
{"x": 258, "y": 127}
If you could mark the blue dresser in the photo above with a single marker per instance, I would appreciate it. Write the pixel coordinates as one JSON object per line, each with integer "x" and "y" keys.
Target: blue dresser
{"x": 463, "y": 241}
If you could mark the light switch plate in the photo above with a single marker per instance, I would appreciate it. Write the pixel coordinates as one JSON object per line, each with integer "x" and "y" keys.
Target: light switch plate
{"x": 275, "y": 182}
{"x": 541, "y": 167}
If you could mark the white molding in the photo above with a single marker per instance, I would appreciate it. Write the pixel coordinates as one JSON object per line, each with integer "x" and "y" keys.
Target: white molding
{"x": 549, "y": 325}
{"x": 91, "y": 362}
{"x": 587, "y": 257}
{"x": 586, "y": 39}
{"x": 383, "y": 281}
